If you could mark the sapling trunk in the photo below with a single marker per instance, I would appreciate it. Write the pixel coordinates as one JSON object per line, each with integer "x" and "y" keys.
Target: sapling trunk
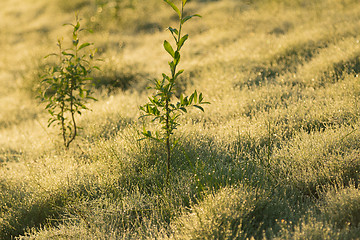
{"x": 167, "y": 141}
{"x": 63, "y": 122}
{"x": 73, "y": 134}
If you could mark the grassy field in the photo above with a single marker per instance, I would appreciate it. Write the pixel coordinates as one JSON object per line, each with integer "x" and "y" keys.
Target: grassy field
{"x": 276, "y": 155}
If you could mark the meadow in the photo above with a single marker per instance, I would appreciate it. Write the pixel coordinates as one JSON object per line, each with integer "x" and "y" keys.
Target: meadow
{"x": 276, "y": 155}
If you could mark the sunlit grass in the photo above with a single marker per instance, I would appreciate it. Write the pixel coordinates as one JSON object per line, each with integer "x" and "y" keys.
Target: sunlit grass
{"x": 274, "y": 155}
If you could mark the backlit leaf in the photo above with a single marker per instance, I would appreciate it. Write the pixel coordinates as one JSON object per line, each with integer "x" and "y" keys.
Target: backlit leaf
{"x": 182, "y": 41}
{"x": 199, "y": 107}
{"x": 168, "y": 48}
{"x": 188, "y": 17}
{"x": 84, "y": 45}
{"x": 200, "y": 98}
{"x": 178, "y": 73}
{"x": 177, "y": 58}
{"x": 174, "y": 7}
{"x": 173, "y": 30}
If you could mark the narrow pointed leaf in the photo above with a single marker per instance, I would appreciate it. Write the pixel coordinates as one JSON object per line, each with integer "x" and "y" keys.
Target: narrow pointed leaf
{"x": 178, "y": 73}
{"x": 199, "y": 107}
{"x": 68, "y": 54}
{"x": 181, "y": 99}
{"x": 51, "y": 54}
{"x": 173, "y": 30}
{"x": 172, "y": 67}
{"x": 195, "y": 96}
{"x": 188, "y": 17}
{"x": 183, "y": 109}
{"x": 191, "y": 98}
{"x": 84, "y": 45}
{"x": 168, "y": 48}
{"x": 200, "y": 98}
{"x": 177, "y": 57}
{"x": 92, "y": 98}
{"x": 174, "y": 7}
{"x": 182, "y": 41}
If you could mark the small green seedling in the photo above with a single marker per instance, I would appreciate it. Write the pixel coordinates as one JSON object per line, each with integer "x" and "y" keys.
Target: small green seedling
{"x": 64, "y": 87}
{"x": 161, "y": 106}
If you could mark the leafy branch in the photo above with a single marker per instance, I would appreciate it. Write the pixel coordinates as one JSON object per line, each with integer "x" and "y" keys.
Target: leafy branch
{"x": 64, "y": 87}
{"x": 161, "y": 107}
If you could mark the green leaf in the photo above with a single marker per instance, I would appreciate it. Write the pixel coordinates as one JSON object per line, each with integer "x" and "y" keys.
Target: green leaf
{"x": 147, "y": 109}
{"x": 84, "y": 71}
{"x": 197, "y": 106}
{"x": 67, "y": 54}
{"x": 77, "y": 26}
{"x": 51, "y": 121}
{"x": 51, "y": 54}
{"x": 183, "y": 109}
{"x": 177, "y": 58}
{"x": 174, "y": 7}
{"x": 173, "y": 30}
{"x": 178, "y": 73}
{"x": 84, "y": 45}
{"x": 50, "y": 111}
{"x": 188, "y": 17}
{"x": 181, "y": 99}
{"x": 169, "y": 49}
{"x": 191, "y": 98}
{"x": 92, "y": 98}
{"x": 174, "y": 33}
{"x": 145, "y": 132}
{"x": 172, "y": 66}
{"x": 184, "y": 2}
{"x": 200, "y": 98}
{"x": 182, "y": 41}
{"x": 68, "y": 24}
